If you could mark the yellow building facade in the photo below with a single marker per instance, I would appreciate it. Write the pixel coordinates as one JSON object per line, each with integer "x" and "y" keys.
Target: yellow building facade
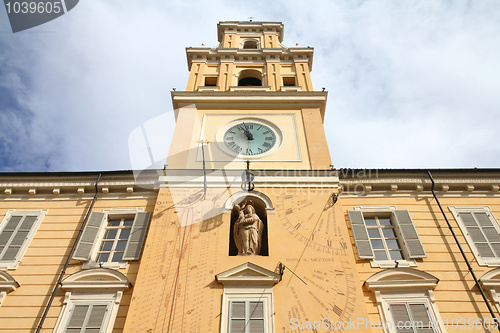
{"x": 248, "y": 228}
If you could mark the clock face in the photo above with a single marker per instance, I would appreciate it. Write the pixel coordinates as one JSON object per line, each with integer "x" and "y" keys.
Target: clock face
{"x": 250, "y": 138}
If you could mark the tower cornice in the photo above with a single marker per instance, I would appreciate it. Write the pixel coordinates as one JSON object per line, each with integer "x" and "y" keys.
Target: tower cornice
{"x": 250, "y": 99}
{"x": 242, "y": 26}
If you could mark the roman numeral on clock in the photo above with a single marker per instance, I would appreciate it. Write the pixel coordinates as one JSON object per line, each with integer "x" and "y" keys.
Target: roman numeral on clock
{"x": 266, "y": 144}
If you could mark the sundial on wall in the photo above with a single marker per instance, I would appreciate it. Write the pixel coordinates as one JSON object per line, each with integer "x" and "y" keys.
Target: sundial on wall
{"x": 322, "y": 280}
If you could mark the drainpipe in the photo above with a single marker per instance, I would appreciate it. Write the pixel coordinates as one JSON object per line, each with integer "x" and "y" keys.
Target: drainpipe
{"x": 61, "y": 275}
{"x": 464, "y": 256}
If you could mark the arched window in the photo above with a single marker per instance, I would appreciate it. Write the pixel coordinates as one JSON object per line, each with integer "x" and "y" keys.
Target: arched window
{"x": 405, "y": 296}
{"x": 250, "y": 77}
{"x": 92, "y": 300}
{"x": 250, "y": 44}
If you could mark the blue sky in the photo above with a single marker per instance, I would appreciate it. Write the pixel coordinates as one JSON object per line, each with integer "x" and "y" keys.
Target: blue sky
{"x": 412, "y": 84}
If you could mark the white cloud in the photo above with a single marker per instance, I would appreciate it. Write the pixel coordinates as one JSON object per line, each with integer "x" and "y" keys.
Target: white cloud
{"x": 411, "y": 84}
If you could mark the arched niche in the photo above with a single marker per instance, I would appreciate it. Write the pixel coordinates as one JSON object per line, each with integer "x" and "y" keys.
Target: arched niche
{"x": 262, "y": 205}
{"x": 250, "y": 77}
{"x": 238, "y": 197}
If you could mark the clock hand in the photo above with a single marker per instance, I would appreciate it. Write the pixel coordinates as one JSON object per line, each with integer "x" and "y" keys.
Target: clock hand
{"x": 247, "y": 132}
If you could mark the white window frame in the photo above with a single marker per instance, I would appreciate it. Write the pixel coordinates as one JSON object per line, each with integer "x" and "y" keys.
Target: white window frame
{"x": 423, "y": 297}
{"x": 404, "y": 285}
{"x": 240, "y": 283}
{"x": 384, "y": 211}
{"x": 89, "y": 299}
{"x": 233, "y": 293}
{"x": 93, "y": 287}
{"x": 113, "y": 213}
{"x": 40, "y": 213}
{"x": 455, "y": 210}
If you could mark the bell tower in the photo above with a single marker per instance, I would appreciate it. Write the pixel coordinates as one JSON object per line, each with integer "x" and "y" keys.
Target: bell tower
{"x": 264, "y": 250}
{"x": 249, "y": 98}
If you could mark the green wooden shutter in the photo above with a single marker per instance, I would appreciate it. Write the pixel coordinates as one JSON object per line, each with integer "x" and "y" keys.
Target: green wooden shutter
{"x": 77, "y": 319}
{"x": 420, "y": 318}
{"x": 400, "y": 316}
{"x": 137, "y": 235}
{"x": 411, "y": 318}
{"x": 237, "y": 317}
{"x": 256, "y": 316}
{"x": 486, "y": 222}
{"x": 476, "y": 235}
{"x": 14, "y": 236}
{"x": 89, "y": 236}
{"x": 95, "y": 319}
{"x": 409, "y": 234}
{"x": 360, "y": 234}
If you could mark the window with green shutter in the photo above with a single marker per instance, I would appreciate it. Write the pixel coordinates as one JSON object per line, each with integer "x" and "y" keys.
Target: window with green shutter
{"x": 482, "y": 232}
{"x": 386, "y": 235}
{"x": 412, "y": 317}
{"x": 16, "y": 232}
{"x": 87, "y": 318}
{"x": 91, "y": 301}
{"x": 112, "y": 238}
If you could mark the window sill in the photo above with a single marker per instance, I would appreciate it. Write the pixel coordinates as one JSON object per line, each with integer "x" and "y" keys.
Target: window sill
{"x": 112, "y": 265}
{"x": 488, "y": 263}
{"x": 392, "y": 264}
{"x": 9, "y": 266}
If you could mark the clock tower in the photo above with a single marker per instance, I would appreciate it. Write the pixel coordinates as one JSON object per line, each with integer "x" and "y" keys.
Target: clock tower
{"x": 249, "y": 98}
{"x": 271, "y": 257}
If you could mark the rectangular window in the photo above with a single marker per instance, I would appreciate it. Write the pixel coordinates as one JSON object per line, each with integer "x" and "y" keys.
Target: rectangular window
{"x": 410, "y": 317}
{"x": 246, "y": 316}
{"x": 383, "y": 238}
{"x": 112, "y": 238}
{"x": 87, "y": 318}
{"x": 16, "y": 232}
{"x": 114, "y": 242}
{"x": 385, "y": 235}
{"x": 482, "y": 232}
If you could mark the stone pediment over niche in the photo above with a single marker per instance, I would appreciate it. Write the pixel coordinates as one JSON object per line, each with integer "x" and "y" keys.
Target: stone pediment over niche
{"x": 248, "y": 274}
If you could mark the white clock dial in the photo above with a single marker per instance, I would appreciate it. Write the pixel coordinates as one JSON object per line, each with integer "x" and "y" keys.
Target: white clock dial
{"x": 249, "y": 138}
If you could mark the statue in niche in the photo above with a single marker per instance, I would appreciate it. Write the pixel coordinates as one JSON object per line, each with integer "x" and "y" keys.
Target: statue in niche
{"x": 247, "y": 230}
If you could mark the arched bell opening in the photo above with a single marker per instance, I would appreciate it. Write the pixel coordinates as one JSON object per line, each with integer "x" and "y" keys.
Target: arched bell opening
{"x": 250, "y": 44}
{"x": 250, "y": 77}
